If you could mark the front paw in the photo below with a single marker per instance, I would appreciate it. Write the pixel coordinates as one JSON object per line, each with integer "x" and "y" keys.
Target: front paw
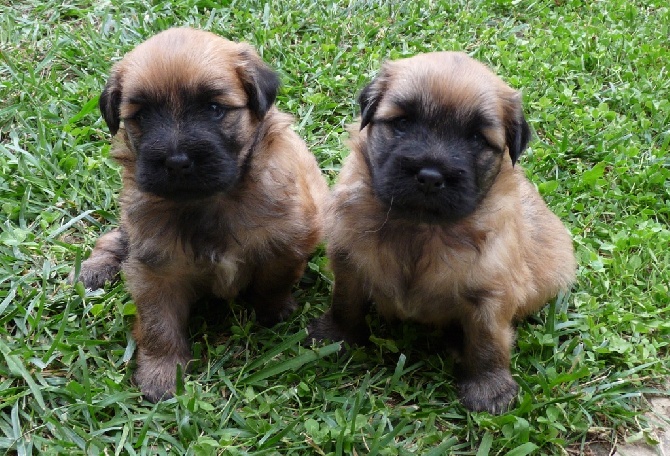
{"x": 493, "y": 391}
{"x": 327, "y": 328}
{"x": 157, "y": 376}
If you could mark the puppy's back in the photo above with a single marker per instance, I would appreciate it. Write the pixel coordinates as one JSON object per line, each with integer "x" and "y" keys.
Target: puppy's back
{"x": 550, "y": 254}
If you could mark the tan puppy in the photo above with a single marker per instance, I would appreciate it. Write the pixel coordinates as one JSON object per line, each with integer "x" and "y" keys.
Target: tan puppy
{"x": 432, "y": 222}
{"x": 220, "y": 197}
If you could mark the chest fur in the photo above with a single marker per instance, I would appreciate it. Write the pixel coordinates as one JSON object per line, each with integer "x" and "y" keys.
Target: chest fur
{"x": 199, "y": 246}
{"x": 423, "y": 275}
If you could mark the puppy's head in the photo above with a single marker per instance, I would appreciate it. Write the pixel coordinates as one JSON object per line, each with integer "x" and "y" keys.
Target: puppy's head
{"x": 191, "y": 103}
{"x": 439, "y": 126}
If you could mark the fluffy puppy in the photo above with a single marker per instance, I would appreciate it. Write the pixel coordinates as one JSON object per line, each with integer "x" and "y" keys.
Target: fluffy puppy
{"x": 431, "y": 221}
{"x": 220, "y": 197}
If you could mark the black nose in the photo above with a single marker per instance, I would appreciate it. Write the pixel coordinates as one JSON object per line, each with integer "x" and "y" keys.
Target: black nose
{"x": 178, "y": 163}
{"x": 430, "y": 180}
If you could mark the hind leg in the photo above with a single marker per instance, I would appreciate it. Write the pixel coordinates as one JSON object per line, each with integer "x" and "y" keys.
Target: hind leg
{"x": 270, "y": 290}
{"x": 104, "y": 263}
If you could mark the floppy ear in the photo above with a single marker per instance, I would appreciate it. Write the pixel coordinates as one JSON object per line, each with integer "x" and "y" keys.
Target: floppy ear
{"x": 371, "y": 95}
{"x": 260, "y": 82}
{"x": 517, "y": 131}
{"x": 110, "y": 101}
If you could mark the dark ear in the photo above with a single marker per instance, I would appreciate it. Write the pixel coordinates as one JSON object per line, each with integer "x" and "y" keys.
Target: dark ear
{"x": 110, "y": 101}
{"x": 370, "y": 97}
{"x": 260, "y": 82}
{"x": 517, "y": 131}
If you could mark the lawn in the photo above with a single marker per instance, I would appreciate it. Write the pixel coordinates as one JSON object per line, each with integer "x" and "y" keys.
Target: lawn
{"x": 596, "y": 86}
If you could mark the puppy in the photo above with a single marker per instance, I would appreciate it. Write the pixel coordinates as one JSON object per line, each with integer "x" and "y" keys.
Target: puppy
{"x": 431, "y": 220}
{"x": 220, "y": 197}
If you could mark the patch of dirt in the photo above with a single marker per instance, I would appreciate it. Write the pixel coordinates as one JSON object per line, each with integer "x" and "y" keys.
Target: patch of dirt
{"x": 659, "y": 419}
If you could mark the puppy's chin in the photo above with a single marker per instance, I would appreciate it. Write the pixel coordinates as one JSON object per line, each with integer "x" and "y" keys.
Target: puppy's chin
{"x": 426, "y": 210}
{"x": 181, "y": 195}
{"x": 184, "y": 189}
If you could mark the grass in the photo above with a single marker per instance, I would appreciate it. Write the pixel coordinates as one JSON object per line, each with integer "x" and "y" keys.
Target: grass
{"x": 596, "y": 88}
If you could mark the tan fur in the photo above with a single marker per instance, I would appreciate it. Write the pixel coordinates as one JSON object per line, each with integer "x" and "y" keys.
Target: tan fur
{"x": 252, "y": 240}
{"x": 527, "y": 254}
{"x": 500, "y": 263}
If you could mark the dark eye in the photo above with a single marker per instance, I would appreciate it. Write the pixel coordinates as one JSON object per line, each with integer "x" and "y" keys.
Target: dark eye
{"x": 399, "y": 125}
{"x": 218, "y": 111}
{"x": 477, "y": 137}
{"x": 138, "y": 116}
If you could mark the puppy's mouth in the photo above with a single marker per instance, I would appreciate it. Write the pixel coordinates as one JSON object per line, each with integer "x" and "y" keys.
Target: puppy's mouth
{"x": 427, "y": 194}
{"x": 187, "y": 183}
{"x": 182, "y": 194}
{"x": 426, "y": 210}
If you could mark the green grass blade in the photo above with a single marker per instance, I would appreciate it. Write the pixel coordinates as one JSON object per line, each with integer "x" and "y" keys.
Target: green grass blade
{"x": 290, "y": 364}
{"x": 443, "y": 447}
{"x": 290, "y": 342}
{"x": 485, "y": 444}
{"x": 523, "y": 450}
{"x": 17, "y": 368}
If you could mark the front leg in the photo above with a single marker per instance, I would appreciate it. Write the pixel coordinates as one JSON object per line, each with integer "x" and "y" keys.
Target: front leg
{"x": 485, "y": 382}
{"x": 163, "y": 304}
{"x": 345, "y": 319}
